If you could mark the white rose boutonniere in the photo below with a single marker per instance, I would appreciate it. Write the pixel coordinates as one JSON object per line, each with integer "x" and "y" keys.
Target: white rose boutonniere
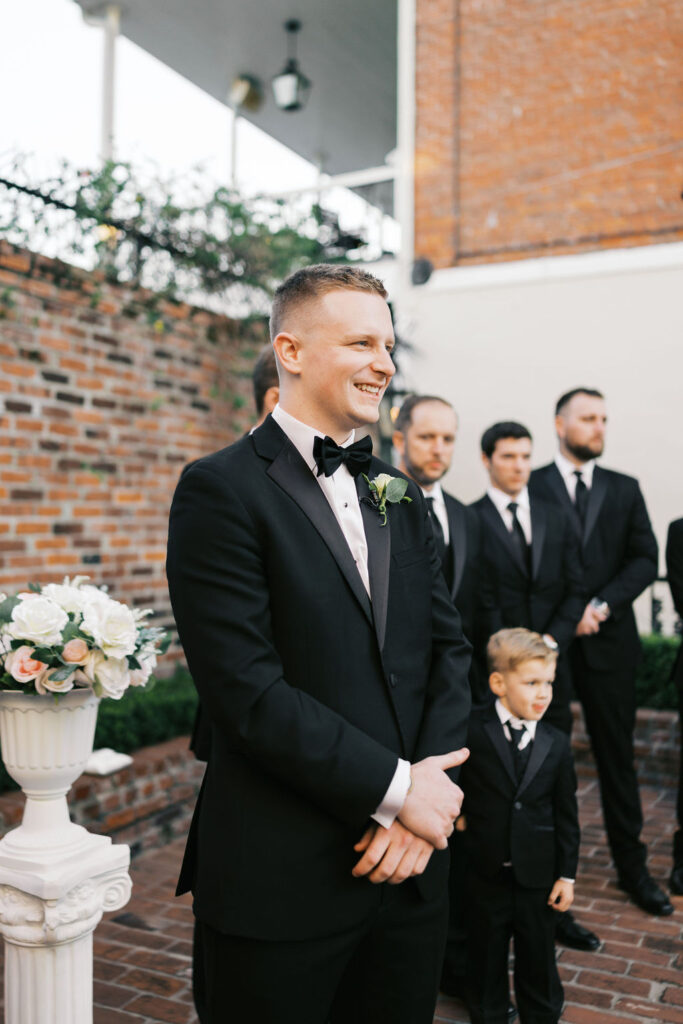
{"x": 385, "y": 488}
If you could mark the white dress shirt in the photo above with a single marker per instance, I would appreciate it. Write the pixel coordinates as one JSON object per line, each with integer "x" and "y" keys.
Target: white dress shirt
{"x": 568, "y": 469}
{"x": 439, "y": 507}
{"x": 340, "y": 491}
{"x": 501, "y": 500}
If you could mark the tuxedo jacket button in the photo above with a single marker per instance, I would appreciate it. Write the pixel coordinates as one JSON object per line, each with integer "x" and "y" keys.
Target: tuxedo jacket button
{"x": 393, "y": 679}
{"x": 518, "y": 806}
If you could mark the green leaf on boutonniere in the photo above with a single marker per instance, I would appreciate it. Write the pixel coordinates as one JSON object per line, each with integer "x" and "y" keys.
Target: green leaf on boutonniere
{"x": 396, "y": 490}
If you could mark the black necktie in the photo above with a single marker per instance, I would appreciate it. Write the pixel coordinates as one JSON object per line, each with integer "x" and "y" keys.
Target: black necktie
{"x": 438, "y": 531}
{"x": 520, "y": 757}
{"x": 581, "y": 496}
{"x": 329, "y": 455}
{"x": 518, "y": 537}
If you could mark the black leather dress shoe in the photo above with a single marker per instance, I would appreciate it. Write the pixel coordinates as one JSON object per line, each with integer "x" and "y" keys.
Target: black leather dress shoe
{"x": 570, "y": 933}
{"x": 676, "y": 880}
{"x": 646, "y": 894}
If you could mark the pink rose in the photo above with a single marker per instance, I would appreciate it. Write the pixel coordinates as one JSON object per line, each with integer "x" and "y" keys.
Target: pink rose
{"x": 23, "y": 667}
{"x": 75, "y": 652}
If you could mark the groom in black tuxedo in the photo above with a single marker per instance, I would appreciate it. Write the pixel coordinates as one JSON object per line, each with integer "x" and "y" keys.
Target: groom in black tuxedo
{"x": 331, "y": 663}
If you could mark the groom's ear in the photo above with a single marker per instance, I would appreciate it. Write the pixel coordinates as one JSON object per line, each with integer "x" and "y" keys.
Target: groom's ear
{"x": 288, "y": 351}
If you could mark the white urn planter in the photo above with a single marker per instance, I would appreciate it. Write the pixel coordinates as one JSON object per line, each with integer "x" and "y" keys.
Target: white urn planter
{"x": 56, "y": 878}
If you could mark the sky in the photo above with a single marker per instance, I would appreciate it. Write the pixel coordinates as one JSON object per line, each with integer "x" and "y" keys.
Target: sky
{"x": 50, "y": 98}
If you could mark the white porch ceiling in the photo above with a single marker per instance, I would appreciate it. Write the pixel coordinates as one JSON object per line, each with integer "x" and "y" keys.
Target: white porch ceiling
{"x": 346, "y": 47}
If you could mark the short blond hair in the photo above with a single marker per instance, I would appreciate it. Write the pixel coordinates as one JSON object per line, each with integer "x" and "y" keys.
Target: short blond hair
{"x": 509, "y": 648}
{"x": 311, "y": 282}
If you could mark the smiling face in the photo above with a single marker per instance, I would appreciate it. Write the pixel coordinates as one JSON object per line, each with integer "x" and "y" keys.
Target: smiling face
{"x": 335, "y": 351}
{"x": 526, "y": 691}
{"x": 509, "y": 465}
{"x": 581, "y": 428}
{"x": 426, "y": 446}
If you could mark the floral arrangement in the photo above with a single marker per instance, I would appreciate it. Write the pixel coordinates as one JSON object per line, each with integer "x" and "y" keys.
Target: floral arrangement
{"x": 68, "y": 634}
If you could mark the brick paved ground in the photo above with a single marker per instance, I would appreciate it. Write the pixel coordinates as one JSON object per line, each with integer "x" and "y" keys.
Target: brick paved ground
{"x": 142, "y": 954}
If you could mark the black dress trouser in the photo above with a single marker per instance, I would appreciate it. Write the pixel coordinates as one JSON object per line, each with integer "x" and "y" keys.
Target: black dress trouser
{"x": 609, "y": 706}
{"x": 385, "y": 971}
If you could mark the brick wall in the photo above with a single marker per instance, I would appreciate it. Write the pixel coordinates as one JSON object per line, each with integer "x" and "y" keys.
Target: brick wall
{"x": 106, "y": 393}
{"x": 546, "y": 127}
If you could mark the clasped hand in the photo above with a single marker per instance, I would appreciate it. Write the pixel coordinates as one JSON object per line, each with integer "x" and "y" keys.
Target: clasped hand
{"x": 424, "y": 824}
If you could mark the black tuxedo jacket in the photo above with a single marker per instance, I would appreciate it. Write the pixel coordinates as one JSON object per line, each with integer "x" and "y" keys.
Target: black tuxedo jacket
{"x": 312, "y": 690}
{"x": 533, "y": 823}
{"x": 618, "y": 556}
{"x": 674, "y": 570}
{"x": 463, "y": 554}
{"x": 551, "y": 600}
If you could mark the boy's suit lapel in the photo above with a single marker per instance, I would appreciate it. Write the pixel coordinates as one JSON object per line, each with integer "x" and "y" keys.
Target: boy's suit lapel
{"x": 494, "y": 730}
{"x": 539, "y": 751}
{"x": 291, "y": 473}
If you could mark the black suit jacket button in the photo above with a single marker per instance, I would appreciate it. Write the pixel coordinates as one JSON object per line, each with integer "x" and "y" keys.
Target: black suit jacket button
{"x": 518, "y": 806}
{"x": 393, "y": 679}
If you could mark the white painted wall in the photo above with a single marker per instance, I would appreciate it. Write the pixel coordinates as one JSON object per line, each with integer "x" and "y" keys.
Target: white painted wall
{"x": 504, "y": 341}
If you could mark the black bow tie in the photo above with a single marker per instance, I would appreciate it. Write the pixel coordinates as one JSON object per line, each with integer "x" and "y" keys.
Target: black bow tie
{"x": 329, "y": 455}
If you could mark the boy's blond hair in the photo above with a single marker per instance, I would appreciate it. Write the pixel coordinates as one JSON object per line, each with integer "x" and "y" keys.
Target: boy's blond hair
{"x": 509, "y": 648}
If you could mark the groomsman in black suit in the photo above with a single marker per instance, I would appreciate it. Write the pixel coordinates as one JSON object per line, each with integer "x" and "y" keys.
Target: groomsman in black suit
{"x": 530, "y": 577}
{"x": 424, "y": 437}
{"x": 266, "y": 389}
{"x": 330, "y": 660}
{"x": 619, "y": 560}
{"x": 674, "y": 569}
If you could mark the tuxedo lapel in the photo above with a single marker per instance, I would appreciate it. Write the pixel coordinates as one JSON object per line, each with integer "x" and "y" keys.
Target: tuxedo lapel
{"x": 502, "y": 745}
{"x": 378, "y": 539}
{"x": 458, "y": 543}
{"x": 538, "y": 527}
{"x": 539, "y": 751}
{"x": 495, "y": 521}
{"x": 291, "y": 473}
{"x": 596, "y": 496}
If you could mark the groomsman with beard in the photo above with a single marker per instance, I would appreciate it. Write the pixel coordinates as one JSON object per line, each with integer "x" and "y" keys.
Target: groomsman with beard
{"x": 424, "y": 437}
{"x": 618, "y": 556}
{"x": 674, "y": 569}
{"x": 330, "y": 660}
{"x": 531, "y": 577}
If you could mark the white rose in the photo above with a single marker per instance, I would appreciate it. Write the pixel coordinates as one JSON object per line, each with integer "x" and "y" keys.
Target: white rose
{"x": 112, "y": 627}
{"x": 71, "y": 599}
{"x": 112, "y": 674}
{"x": 381, "y": 481}
{"x": 139, "y": 676}
{"x": 38, "y": 619}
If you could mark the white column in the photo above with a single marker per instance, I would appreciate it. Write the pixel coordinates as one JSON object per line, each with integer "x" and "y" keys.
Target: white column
{"x": 48, "y": 942}
{"x": 111, "y": 30}
{"x": 405, "y": 120}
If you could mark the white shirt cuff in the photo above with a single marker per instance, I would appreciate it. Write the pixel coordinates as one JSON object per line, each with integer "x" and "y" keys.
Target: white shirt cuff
{"x": 395, "y": 796}
{"x": 572, "y": 881}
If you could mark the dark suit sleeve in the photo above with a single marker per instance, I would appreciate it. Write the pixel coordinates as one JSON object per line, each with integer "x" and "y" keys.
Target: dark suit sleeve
{"x": 224, "y": 622}
{"x": 639, "y": 567}
{"x": 674, "y": 563}
{"x": 570, "y": 609}
{"x": 566, "y": 813}
{"x": 448, "y": 698}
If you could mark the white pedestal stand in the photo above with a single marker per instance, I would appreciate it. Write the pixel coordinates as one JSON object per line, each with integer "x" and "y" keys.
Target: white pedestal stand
{"x": 56, "y": 879}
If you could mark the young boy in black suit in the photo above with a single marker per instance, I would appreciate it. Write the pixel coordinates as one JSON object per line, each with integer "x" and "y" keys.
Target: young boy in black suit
{"x": 521, "y": 828}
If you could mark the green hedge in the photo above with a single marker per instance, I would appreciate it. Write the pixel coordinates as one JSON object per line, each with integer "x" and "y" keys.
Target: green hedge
{"x": 654, "y": 687}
